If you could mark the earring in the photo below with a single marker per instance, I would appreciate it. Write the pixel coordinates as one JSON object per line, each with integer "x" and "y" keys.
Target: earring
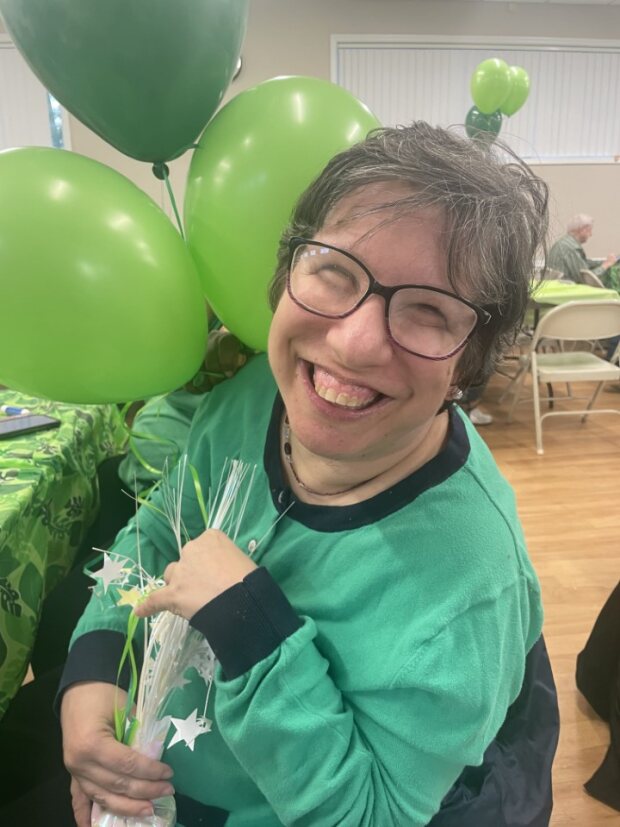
{"x": 458, "y": 394}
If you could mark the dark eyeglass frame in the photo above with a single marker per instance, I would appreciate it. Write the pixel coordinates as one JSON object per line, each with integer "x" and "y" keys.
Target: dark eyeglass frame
{"x": 375, "y": 287}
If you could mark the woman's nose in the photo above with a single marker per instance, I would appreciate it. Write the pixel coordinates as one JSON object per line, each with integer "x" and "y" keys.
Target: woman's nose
{"x": 362, "y": 338}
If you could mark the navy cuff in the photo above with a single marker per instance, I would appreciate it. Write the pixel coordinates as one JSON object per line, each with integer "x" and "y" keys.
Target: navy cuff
{"x": 94, "y": 656}
{"x": 247, "y": 622}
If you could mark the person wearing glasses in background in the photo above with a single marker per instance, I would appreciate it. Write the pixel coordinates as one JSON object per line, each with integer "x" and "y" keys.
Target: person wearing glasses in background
{"x": 374, "y": 621}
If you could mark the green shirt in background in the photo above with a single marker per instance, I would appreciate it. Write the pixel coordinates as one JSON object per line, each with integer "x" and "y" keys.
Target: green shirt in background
{"x": 568, "y": 256}
{"x": 158, "y": 435}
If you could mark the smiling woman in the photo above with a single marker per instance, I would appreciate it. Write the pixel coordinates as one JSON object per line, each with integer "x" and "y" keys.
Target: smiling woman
{"x": 377, "y": 622}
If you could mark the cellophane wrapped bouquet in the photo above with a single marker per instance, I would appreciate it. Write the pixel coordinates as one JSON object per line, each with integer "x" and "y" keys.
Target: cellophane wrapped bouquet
{"x": 171, "y": 647}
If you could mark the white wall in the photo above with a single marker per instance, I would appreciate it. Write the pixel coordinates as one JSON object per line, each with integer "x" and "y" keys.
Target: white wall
{"x": 293, "y": 37}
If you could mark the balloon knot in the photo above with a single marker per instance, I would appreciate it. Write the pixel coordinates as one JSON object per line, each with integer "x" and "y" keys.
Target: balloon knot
{"x": 161, "y": 171}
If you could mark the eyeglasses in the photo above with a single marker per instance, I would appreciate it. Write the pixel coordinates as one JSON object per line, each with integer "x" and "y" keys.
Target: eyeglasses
{"x": 426, "y": 321}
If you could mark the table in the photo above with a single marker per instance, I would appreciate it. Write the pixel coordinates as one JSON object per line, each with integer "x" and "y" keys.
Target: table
{"x": 48, "y": 499}
{"x": 555, "y": 292}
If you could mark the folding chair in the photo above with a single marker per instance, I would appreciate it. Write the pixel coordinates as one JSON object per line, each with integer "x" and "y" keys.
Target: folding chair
{"x": 571, "y": 322}
{"x": 592, "y": 280}
{"x": 514, "y": 364}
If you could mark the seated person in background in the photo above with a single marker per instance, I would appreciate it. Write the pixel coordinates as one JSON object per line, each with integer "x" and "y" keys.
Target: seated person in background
{"x": 568, "y": 255}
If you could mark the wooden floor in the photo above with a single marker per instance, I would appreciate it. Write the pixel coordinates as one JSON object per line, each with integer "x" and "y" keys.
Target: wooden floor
{"x": 569, "y": 505}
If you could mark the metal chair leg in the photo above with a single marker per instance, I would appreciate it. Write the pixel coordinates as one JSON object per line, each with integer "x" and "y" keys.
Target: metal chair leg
{"x": 537, "y": 419}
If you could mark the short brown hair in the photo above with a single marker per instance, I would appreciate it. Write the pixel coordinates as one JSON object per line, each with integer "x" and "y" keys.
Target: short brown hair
{"x": 496, "y": 211}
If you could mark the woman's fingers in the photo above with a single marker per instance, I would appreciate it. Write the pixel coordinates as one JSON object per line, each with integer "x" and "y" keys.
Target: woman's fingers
{"x": 96, "y": 781}
{"x": 118, "y": 804}
{"x": 118, "y": 778}
{"x": 157, "y": 601}
{"x": 115, "y": 776}
{"x": 81, "y": 804}
{"x": 122, "y": 794}
{"x": 109, "y": 756}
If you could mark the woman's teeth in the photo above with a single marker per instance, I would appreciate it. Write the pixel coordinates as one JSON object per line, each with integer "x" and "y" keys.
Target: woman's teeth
{"x": 341, "y": 393}
{"x": 341, "y": 398}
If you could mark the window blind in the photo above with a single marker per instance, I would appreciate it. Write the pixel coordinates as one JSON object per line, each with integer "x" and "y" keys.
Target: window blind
{"x": 572, "y": 113}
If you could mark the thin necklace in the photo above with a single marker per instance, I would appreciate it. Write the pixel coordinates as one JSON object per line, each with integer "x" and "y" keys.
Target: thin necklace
{"x": 288, "y": 454}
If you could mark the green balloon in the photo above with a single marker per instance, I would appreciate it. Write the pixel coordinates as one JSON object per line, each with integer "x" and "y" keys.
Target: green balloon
{"x": 100, "y": 299}
{"x": 490, "y": 85}
{"x": 519, "y": 90}
{"x": 145, "y": 75}
{"x": 483, "y": 127}
{"x": 254, "y": 160}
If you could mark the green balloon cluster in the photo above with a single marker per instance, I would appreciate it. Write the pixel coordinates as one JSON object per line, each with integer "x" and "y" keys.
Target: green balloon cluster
{"x": 253, "y": 161}
{"x": 109, "y": 304}
{"x": 100, "y": 296}
{"x": 497, "y": 89}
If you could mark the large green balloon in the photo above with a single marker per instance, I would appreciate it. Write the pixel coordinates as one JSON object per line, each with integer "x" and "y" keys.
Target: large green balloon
{"x": 483, "y": 127}
{"x": 490, "y": 84}
{"x": 254, "y": 160}
{"x": 145, "y": 75}
{"x": 99, "y": 297}
{"x": 519, "y": 90}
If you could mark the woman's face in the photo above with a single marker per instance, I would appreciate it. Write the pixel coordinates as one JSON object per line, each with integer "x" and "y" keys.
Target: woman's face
{"x": 353, "y": 360}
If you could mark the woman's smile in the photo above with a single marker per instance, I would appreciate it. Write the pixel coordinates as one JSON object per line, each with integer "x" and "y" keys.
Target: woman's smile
{"x": 336, "y": 395}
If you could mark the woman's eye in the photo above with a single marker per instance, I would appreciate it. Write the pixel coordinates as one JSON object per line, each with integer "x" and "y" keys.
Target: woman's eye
{"x": 426, "y": 314}
{"x": 337, "y": 277}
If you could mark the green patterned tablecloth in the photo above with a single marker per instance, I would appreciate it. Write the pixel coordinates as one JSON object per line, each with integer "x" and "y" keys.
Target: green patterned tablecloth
{"x": 555, "y": 292}
{"x": 48, "y": 499}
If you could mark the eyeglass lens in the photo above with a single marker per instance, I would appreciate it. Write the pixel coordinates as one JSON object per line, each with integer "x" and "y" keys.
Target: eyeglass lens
{"x": 332, "y": 284}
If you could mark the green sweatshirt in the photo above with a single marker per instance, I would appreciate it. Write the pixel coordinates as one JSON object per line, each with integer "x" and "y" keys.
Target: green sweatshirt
{"x": 372, "y": 655}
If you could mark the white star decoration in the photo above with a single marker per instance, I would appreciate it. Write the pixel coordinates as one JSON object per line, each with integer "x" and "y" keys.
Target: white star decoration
{"x": 179, "y": 682}
{"x": 188, "y": 729}
{"x": 112, "y": 572}
{"x": 175, "y": 655}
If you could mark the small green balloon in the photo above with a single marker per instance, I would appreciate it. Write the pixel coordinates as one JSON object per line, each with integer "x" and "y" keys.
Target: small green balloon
{"x": 480, "y": 126}
{"x": 519, "y": 90}
{"x": 490, "y": 85}
{"x": 145, "y": 75}
{"x": 254, "y": 159}
{"x": 100, "y": 298}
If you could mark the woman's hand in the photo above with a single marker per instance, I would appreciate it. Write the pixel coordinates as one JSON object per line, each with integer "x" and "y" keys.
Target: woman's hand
{"x": 103, "y": 770}
{"x": 208, "y": 566}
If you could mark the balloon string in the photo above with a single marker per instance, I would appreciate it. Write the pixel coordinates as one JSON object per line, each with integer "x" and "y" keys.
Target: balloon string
{"x": 172, "y": 200}
{"x": 133, "y": 435}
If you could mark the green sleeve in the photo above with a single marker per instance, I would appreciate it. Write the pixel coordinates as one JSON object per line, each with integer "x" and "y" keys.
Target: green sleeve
{"x": 385, "y": 753}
